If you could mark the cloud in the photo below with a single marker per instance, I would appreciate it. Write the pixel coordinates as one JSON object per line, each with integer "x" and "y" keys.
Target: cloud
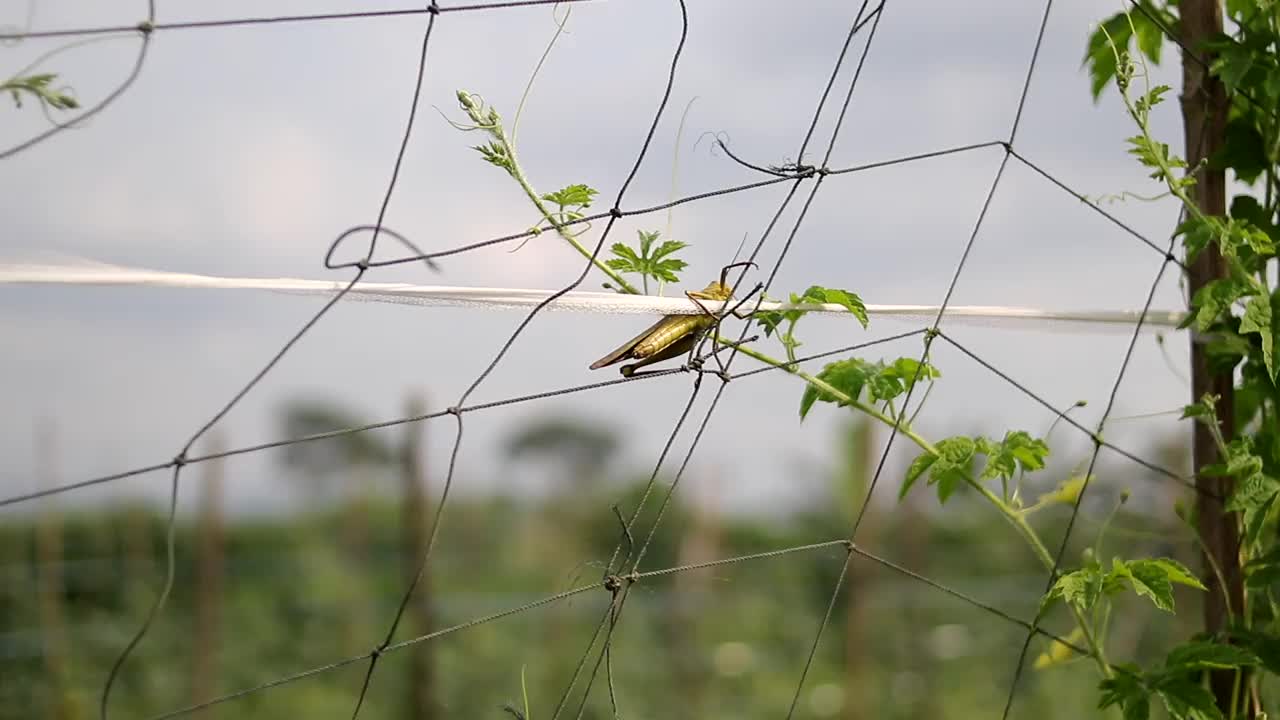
{"x": 246, "y": 151}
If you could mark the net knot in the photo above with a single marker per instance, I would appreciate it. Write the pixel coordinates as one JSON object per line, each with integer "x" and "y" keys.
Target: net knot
{"x": 615, "y": 213}
{"x": 433, "y": 8}
{"x": 180, "y": 460}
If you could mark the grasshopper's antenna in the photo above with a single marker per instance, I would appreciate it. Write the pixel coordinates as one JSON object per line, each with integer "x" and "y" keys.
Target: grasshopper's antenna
{"x": 740, "y": 246}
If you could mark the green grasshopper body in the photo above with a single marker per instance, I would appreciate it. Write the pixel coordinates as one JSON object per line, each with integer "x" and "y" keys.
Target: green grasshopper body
{"x": 673, "y": 335}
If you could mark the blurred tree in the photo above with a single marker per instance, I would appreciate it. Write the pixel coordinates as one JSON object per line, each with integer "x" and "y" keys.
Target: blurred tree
{"x": 328, "y": 460}
{"x": 582, "y": 448}
{"x": 346, "y": 466}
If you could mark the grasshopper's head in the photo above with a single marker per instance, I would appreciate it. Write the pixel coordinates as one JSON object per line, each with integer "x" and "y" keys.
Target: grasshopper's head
{"x": 715, "y": 291}
{"x": 721, "y": 290}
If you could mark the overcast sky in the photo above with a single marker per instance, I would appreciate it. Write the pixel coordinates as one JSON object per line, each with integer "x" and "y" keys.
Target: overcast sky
{"x": 244, "y": 151}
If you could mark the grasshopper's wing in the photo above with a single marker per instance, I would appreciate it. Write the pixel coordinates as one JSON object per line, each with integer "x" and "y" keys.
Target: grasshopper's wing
{"x": 675, "y": 349}
{"x": 622, "y": 353}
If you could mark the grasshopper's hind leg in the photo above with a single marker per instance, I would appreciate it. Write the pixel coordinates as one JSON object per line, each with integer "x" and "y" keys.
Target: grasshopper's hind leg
{"x": 734, "y": 311}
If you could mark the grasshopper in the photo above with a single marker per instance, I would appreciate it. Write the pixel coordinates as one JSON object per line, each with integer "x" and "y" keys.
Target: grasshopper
{"x": 675, "y": 335}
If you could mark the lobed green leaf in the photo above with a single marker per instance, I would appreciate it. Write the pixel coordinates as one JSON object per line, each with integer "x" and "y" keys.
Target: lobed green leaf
{"x": 577, "y": 195}
{"x": 1201, "y": 655}
{"x": 1257, "y": 319}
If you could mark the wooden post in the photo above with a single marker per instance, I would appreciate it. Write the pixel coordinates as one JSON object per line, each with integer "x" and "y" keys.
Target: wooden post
{"x": 209, "y": 570}
{"x": 1204, "y": 113}
{"x": 49, "y": 570}
{"x": 691, "y": 593}
{"x": 356, "y": 554}
{"x": 859, "y": 467}
{"x": 421, "y": 705}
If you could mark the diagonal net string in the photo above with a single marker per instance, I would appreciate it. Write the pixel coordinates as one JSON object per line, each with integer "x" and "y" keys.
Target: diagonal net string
{"x": 623, "y": 592}
{"x": 614, "y": 215}
{"x": 928, "y": 341}
{"x": 808, "y": 172}
{"x": 180, "y": 461}
{"x": 1097, "y": 435}
{"x": 613, "y": 612}
{"x": 1088, "y": 475}
{"x": 1094, "y": 435}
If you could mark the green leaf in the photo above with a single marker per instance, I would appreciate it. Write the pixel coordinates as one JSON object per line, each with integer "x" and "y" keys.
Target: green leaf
{"x": 1176, "y": 572}
{"x": 1149, "y": 36}
{"x": 1196, "y": 410}
{"x": 1225, "y": 351}
{"x": 951, "y": 469}
{"x": 1257, "y": 318}
{"x": 656, "y": 264}
{"x": 912, "y": 371}
{"x": 1247, "y": 207}
{"x": 1151, "y": 98}
{"x": 1244, "y": 151}
{"x": 769, "y": 320}
{"x": 627, "y": 260}
{"x": 1255, "y": 519}
{"x": 1147, "y": 581}
{"x": 38, "y": 85}
{"x": 1185, "y": 698}
{"x": 1264, "y": 570}
{"x": 1154, "y": 579}
{"x": 1252, "y": 491}
{"x": 917, "y": 468}
{"x": 1215, "y": 298}
{"x": 948, "y": 469}
{"x": 646, "y": 240}
{"x": 1233, "y": 63}
{"x": 577, "y": 195}
{"x": 1017, "y": 450}
{"x": 1100, "y": 57}
{"x": 1264, "y": 645}
{"x": 1241, "y": 460}
{"x": 1081, "y": 588}
{"x": 1126, "y": 690}
{"x": 668, "y": 247}
{"x": 850, "y": 301}
{"x": 847, "y": 376}
{"x": 495, "y": 154}
{"x": 1196, "y": 234}
{"x": 1200, "y": 655}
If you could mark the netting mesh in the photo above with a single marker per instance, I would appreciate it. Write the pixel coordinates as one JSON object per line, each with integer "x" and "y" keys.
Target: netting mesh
{"x": 613, "y": 603}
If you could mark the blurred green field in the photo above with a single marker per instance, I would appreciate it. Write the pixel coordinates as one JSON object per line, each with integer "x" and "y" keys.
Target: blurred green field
{"x": 258, "y": 600}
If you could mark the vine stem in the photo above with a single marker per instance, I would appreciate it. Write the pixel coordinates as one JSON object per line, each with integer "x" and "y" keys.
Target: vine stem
{"x": 1013, "y": 516}
{"x": 518, "y": 173}
{"x": 491, "y": 123}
